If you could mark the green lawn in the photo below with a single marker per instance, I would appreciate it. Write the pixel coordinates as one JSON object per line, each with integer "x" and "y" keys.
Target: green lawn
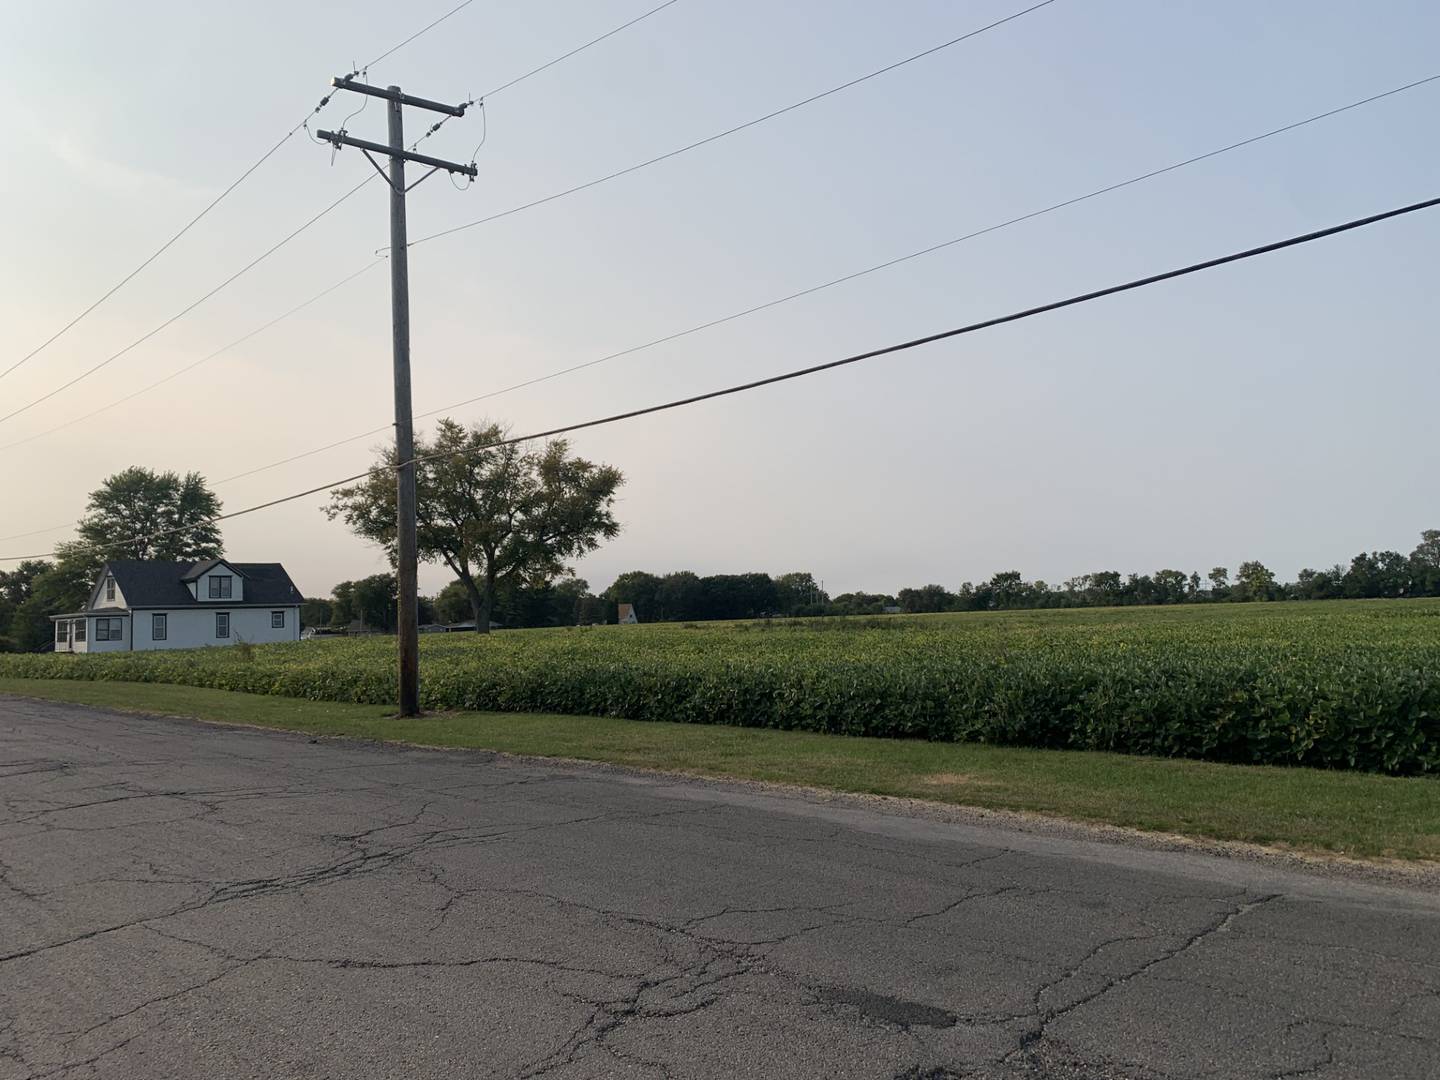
{"x": 1357, "y": 814}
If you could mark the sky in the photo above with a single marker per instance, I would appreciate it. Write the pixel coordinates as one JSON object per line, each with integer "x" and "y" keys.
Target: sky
{"x": 1281, "y": 410}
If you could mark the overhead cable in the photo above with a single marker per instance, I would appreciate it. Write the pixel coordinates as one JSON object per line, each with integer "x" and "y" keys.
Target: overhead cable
{"x": 325, "y": 100}
{"x": 814, "y": 369}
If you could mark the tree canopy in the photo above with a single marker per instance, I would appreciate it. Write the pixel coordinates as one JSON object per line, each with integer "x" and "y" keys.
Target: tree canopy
{"x": 138, "y": 513}
{"x": 492, "y": 513}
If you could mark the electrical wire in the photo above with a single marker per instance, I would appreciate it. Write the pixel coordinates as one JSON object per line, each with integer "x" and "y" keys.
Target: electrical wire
{"x": 536, "y": 71}
{"x": 577, "y": 50}
{"x": 418, "y": 33}
{"x": 192, "y": 365}
{"x": 732, "y": 130}
{"x": 887, "y": 264}
{"x": 304, "y": 122}
{"x": 305, "y": 125}
{"x": 188, "y": 308}
{"x": 814, "y": 369}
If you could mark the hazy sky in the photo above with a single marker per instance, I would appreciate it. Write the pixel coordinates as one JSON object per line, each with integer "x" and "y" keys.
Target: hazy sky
{"x": 1282, "y": 410}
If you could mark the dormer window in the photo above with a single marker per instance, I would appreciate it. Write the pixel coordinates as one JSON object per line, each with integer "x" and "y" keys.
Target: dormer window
{"x": 221, "y": 586}
{"x": 109, "y": 587}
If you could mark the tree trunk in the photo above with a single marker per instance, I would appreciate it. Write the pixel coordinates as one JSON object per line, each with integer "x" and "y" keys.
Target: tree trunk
{"x": 482, "y": 621}
{"x": 478, "y": 607}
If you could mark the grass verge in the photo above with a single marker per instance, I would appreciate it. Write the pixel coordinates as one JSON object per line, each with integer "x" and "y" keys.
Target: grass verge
{"x": 1360, "y": 815}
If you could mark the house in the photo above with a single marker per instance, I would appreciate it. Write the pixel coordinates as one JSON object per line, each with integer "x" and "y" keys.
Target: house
{"x": 626, "y": 615}
{"x": 141, "y": 605}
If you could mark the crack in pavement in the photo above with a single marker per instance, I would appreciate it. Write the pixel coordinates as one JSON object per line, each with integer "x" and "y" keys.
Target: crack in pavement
{"x": 587, "y": 924}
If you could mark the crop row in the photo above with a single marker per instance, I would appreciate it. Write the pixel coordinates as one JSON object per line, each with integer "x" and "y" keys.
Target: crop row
{"x": 1360, "y": 693}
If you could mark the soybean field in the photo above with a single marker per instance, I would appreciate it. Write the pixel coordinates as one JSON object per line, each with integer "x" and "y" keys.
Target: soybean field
{"x": 1333, "y": 684}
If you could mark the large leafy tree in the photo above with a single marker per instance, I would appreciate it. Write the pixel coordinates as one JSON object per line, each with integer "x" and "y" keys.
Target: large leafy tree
{"x": 1425, "y": 564}
{"x": 142, "y": 514}
{"x": 492, "y": 513}
{"x": 637, "y": 587}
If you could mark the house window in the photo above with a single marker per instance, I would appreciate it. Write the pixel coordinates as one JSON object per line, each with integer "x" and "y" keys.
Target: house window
{"x": 222, "y": 622}
{"x": 220, "y": 585}
{"x": 109, "y": 629}
{"x": 109, "y": 588}
{"x": 277, "y": 620}
{"x": 159, "y": 627}
{"x": 79, "y": 630}
{"x": 62, "y": 632}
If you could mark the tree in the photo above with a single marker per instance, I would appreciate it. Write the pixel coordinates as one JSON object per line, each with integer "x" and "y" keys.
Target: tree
{"x": 859, "y": 603}
{"x": 1425, "y": 564}
{"x": 1103, "y": 587}
{"x": 315, "y": 611}
{"x": 737, "y": 596}
{"x": 927, "y": 598}
{"x": 636, "y": 587}
{"x": 1169, "y": 586}
{"x": 60, "y": 587}
{"x": 1253, "y": 581}
{"x": 798, "y": 593}
{"x": 680, "y": 597}
{"x": 130, "y": 506}
{"x": 489, "y": 512}
{"x": 452, "y": 603}
{"x": 371, "y": 600}
{"x": 1219, "y": 583}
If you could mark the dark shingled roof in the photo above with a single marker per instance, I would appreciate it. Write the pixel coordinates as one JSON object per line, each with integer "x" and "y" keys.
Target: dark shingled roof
{"x": 162, "y": 584}
{"x": 201, "y": 568}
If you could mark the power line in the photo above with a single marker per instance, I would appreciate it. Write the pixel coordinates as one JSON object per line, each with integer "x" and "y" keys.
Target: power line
{"x": 190, "y": 366}
{"x": 814, "y": 369}
{"x": 419, "y": 33}
{"x": 250, "y": 266}
{"x": 887, "y": 264}
{"x": 435, "y": 127}
{"x": 732, "y": 130}
{"x": 209, "y": 206}
{"x": 577, "y": 50}
{"x": 188, "y": 308}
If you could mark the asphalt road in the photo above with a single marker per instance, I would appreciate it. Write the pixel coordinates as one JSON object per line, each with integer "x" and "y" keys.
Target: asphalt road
{"x": 178, "y": 900}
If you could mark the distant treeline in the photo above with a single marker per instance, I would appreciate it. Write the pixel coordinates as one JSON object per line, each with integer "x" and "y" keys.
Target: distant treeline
{"x": 687, "y": 597}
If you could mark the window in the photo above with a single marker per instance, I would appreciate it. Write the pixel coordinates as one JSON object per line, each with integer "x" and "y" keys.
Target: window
{"x": 79, "y": 630}
{"x": 159, "y": 627}
{"x": 109, "y": 629}
{"x": 277, "y": 620}
{"x": 222, "y": 622}
{"x": 220, "y": 585}
{"x": 62, "y": 632}
{"x": 109, "y": 588}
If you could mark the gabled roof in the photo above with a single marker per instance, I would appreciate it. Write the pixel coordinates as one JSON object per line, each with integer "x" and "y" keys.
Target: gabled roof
{"x": 201, "y": 568}
{"x": 150, "y": 583}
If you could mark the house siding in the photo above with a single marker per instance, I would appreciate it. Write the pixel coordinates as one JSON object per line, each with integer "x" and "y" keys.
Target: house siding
{"x": 97, "y": 599}
{"x": 94, "y": 646}
{"x": 191, "y": 628}
{"x": 237, "y": 587}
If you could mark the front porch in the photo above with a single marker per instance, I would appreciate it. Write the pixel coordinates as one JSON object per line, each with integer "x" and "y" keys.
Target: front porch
{"x": 88, "y": 631}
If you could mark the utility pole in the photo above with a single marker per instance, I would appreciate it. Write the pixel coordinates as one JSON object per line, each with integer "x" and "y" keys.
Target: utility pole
{"x": 408, "y": 630}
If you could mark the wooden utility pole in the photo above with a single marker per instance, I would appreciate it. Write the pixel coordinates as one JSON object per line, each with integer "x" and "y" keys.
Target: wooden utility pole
{"x": 408, "y": 630}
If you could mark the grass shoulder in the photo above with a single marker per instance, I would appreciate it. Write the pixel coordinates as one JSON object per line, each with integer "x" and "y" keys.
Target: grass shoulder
{"x": 1360, "y": 815}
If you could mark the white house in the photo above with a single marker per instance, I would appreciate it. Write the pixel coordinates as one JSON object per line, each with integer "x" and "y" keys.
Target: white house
{"x": 182, "y": 605}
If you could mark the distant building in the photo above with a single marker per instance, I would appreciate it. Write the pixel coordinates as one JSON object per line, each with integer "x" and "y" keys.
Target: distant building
{"x": 140, "y": 605}
{"x": 627, "y": 614}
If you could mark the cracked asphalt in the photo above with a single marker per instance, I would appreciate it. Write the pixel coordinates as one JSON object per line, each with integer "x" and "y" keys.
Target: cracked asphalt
{"x": 182, "y": 900}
